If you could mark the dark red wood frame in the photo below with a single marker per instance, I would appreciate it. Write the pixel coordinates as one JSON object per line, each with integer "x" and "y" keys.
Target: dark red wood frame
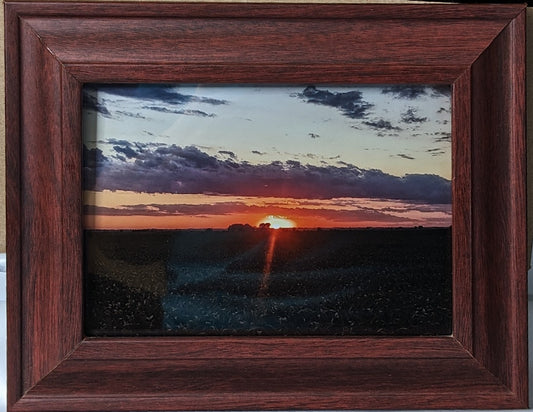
{"x": 53, "y": 48}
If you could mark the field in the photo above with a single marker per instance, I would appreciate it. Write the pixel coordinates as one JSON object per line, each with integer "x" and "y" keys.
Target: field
{"x": 249, "y": 281}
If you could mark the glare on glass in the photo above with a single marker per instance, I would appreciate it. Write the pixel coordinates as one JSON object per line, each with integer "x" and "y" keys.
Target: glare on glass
{"x": 267, "y": 210}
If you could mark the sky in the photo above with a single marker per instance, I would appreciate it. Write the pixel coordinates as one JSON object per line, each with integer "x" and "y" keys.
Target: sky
{"x": 199, "y": 156}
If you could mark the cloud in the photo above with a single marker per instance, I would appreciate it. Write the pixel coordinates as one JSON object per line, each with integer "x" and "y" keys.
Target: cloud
{"x": 342, "y": 216}
{"x": 130, "y": 114}
{"x": 257, "y": 152}
{"x": 90, "y": 102}
{"x": 413, "y": 207}
{"x": 126, "y": 150}
{"x": 121, "y": 142}
{"x": 153, "y": 209}
{"x": 412, "y": 92}
{"x": 175, "y": 169}
{"x": 410, "y": 116}
{"x": 436, "y": 151}
{"x": 443, "y": 137}
{"x": 94, "y": 161}
{"x": 313, "y": 135}
{"x": 404, "y": 156}
{"x": 164, "y": 93}
{"x": 227, "y": 153}
{"x": 155, "y": 94}
{"x": 137, "y": 145}
{"x": 350, "y": 104}
{"x": 405, "y": 92}
{"x": 381, "y": 125}
{"x": 441, "y": 90}
{"x": 184, "y": 112}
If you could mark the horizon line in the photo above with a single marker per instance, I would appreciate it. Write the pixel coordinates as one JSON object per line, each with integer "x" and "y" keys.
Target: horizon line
{"x": 258, "y": 229}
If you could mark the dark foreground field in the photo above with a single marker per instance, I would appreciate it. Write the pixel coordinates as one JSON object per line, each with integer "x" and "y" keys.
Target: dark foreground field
{"x": 316, "y": 282}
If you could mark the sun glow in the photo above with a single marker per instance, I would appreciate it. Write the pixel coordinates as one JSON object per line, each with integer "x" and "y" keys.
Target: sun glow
{"x": 278, "y": 222}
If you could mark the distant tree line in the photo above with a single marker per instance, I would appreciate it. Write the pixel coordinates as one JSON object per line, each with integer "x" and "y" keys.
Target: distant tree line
{"x": 240, "y": 227}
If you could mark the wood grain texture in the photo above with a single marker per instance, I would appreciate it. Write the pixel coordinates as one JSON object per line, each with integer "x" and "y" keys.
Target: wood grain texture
{"x": 502, "y": 12}
{"x": 291, "y": 40}
{"x": 272, "y": 348}
{"x": 43, "y": 206}
{"x": 52, "y": 48}
{"x": 251, "y": 400}
{"x": 499, "y": 208}
{"x": 270, "y": 384}
{"x": 71, "y": 288}
{"x": 13, "y": 212}
{"x": 462, "y": 210}
{"x": 270, "y": 73}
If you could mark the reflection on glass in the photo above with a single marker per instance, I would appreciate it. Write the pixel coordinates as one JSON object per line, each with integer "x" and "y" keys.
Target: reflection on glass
{"x": 252, "y": 210}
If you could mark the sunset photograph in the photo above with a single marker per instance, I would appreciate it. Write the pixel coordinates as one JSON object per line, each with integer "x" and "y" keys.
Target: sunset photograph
{"x": 267, "y": 210}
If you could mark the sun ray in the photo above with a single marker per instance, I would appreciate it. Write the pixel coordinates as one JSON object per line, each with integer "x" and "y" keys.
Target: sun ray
{"x": 269, "y": 255}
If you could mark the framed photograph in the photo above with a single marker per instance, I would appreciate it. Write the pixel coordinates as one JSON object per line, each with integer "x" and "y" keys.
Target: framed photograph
{"x": 204, "y": 212}
{"x": 223, "y": 206}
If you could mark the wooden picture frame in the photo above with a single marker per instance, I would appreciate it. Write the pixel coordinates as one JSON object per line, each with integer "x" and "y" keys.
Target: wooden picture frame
{"x": 52, "y": 49}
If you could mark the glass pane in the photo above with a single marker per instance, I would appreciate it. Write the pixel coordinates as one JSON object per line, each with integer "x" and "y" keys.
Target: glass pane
{"x": 267, "y": 210}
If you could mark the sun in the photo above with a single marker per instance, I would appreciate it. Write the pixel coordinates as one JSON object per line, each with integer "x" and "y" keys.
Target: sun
{"x": 278, "y": 222}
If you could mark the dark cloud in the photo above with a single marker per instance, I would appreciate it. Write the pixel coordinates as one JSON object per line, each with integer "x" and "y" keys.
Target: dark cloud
{"x": 410, "y": 116}
{"x": 130, "y": 114}
{"x": 404, "y": 156}
{"x": 156, "y": 94}
{"x": 138, "y": 145}
{"x": 175, "y": 169}
{"x": 305, "y": 208}
{"x": 414, "y": 207}
{"x": 441, "y": 90}
{"x": 405, "y": 92}
{"x": 184, "y": 112}
{"x": 222, "y": 208}
{"x": 228, "y": 208}
{"x": 257, "y": 152}
{"x": 313, "y": 135}
{"x": 443, "y": 137}
{"x": 165, "y": 93}
{"x": 93, "y": 158}
{"x": 412, "y": 92}
{"x": 436, "y": 151}
{"x": 117, "y": 141}
{"x": 351, "y": 104}
{"x": 381, "y": 125}
{"x": 126, "y": 151}
{"x": 350, "y": 216}
{"x": 90, "y": 102}
{"x": 94, "y": 162}
{"x": 227, "y": 153}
